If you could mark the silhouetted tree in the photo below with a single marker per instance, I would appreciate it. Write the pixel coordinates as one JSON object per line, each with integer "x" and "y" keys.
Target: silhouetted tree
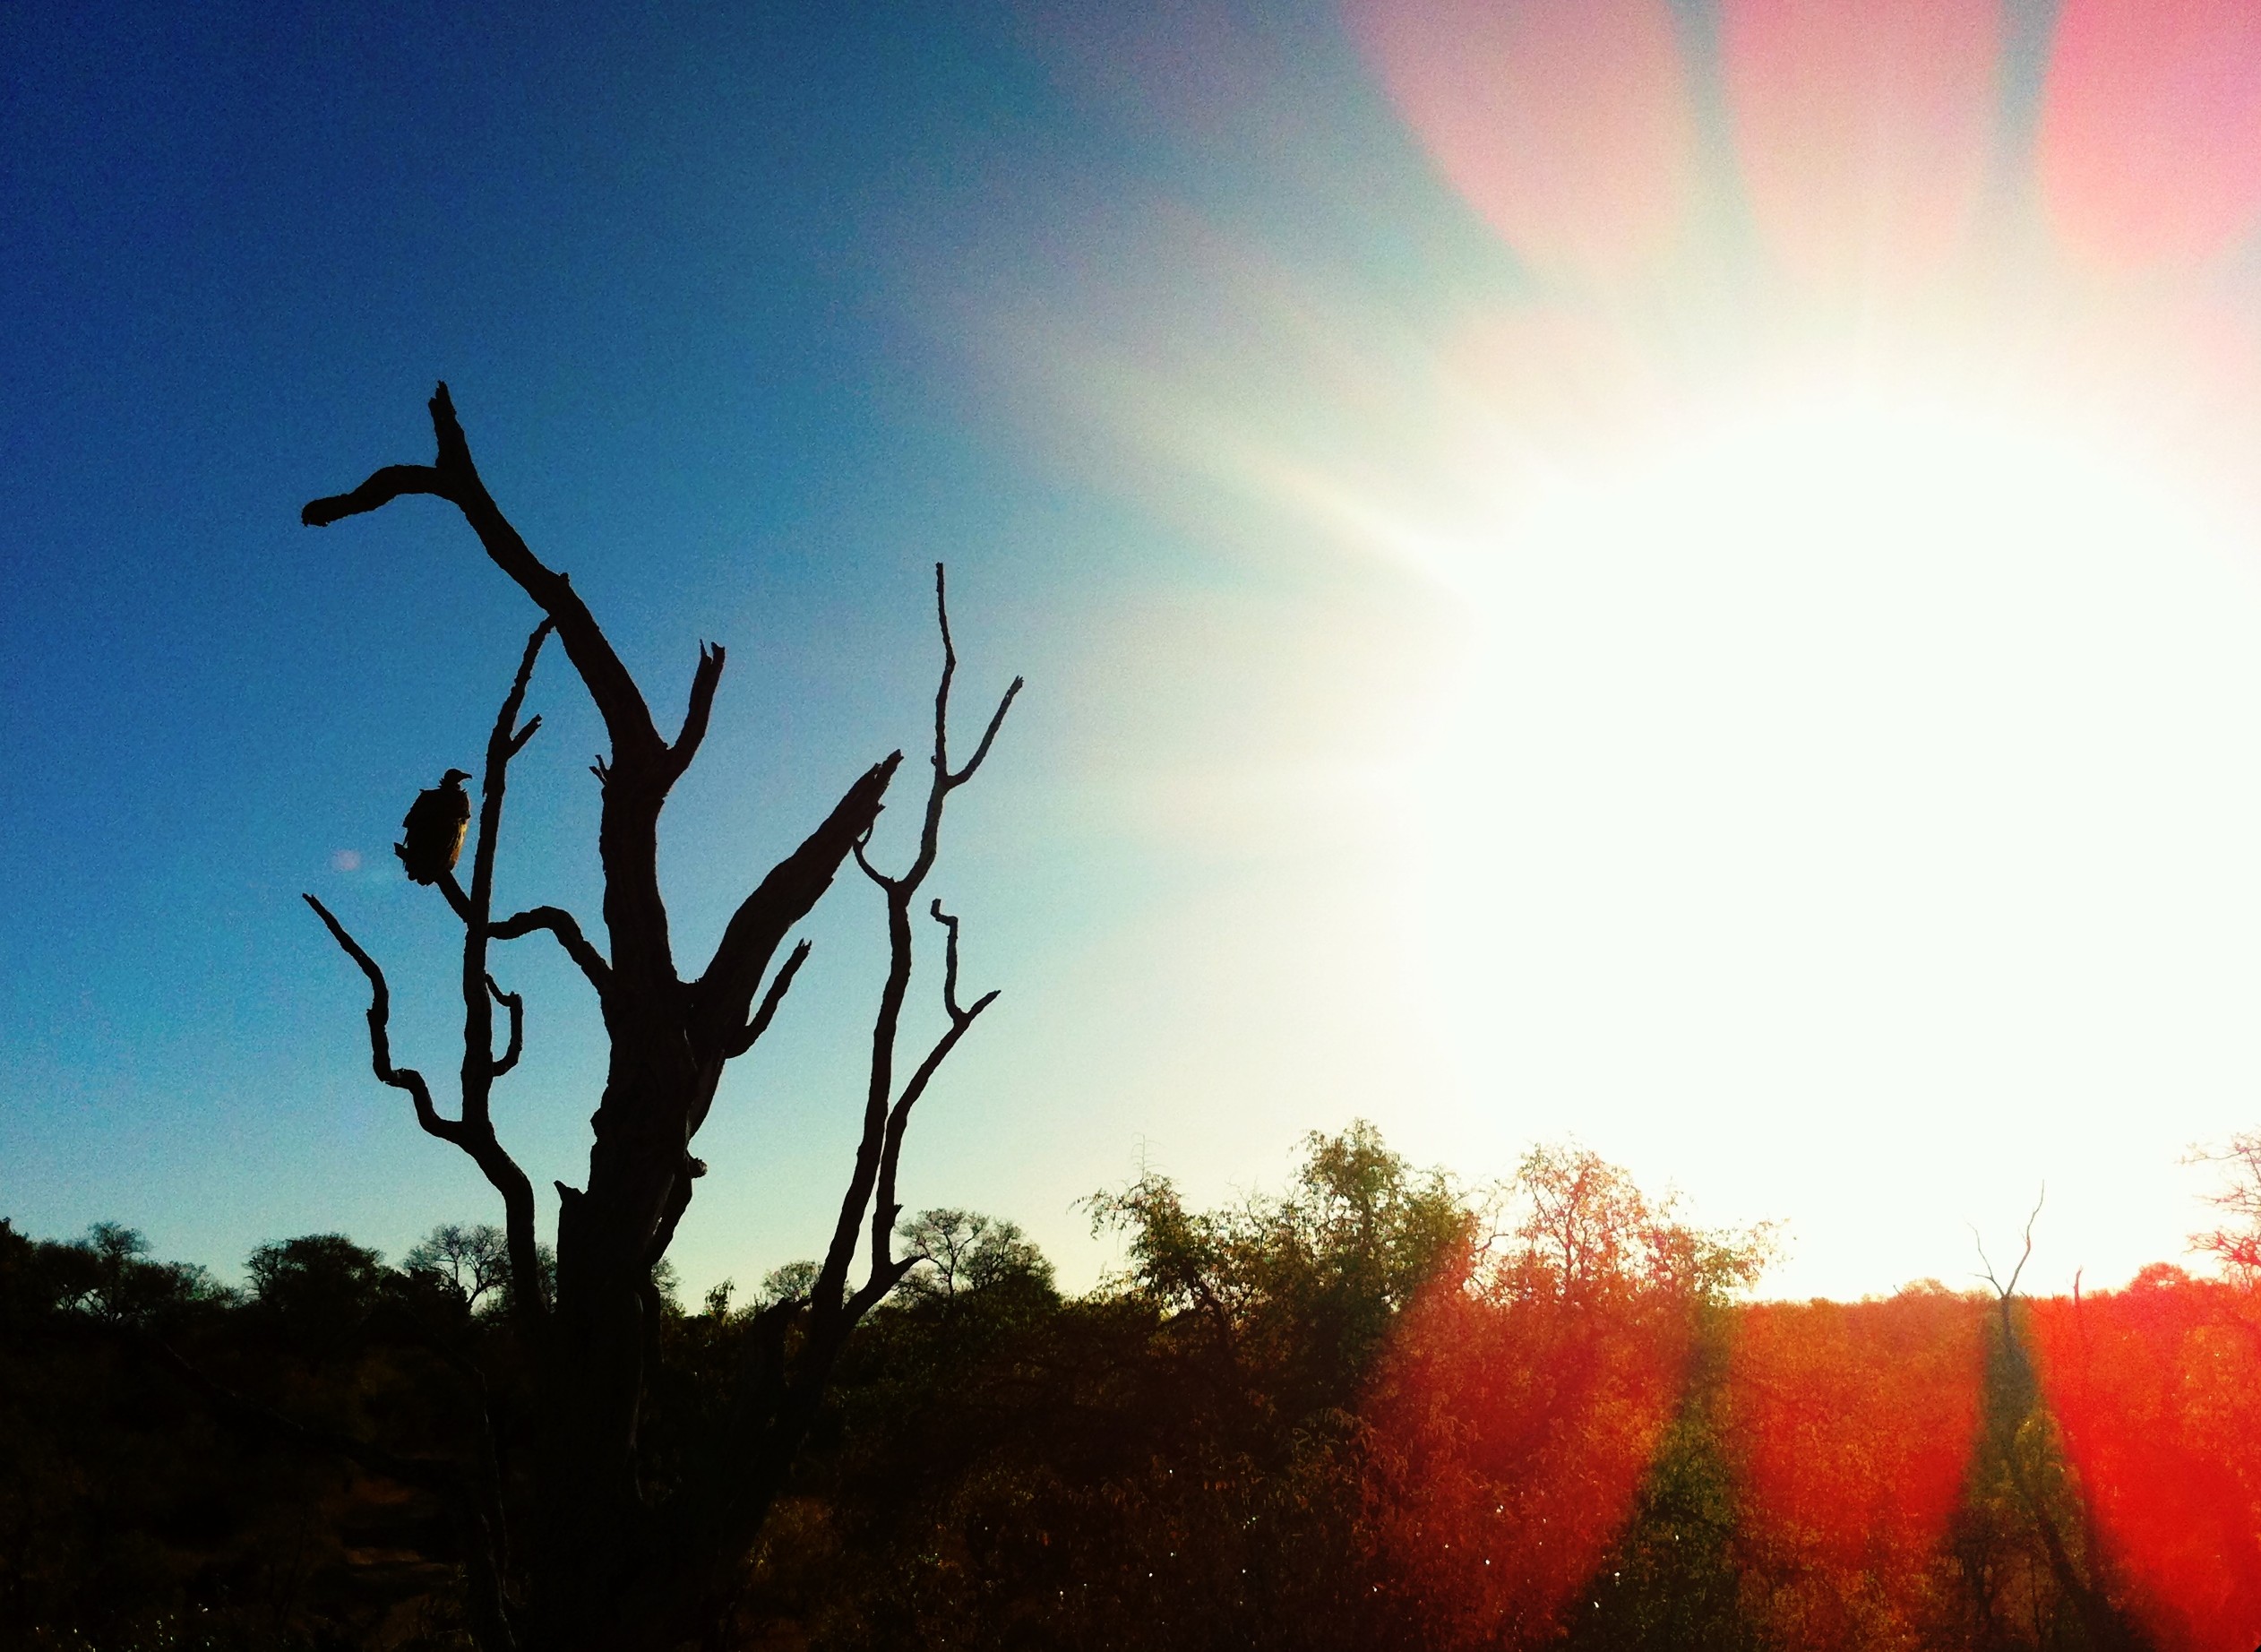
{"x": 2024, "y": 1497}
{"x": 598, "y": 1561}
{"x": 471, "y": 1259}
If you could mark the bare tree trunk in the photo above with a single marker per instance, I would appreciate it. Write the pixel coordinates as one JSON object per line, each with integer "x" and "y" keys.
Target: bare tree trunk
{"x": 2019, "y": 1422}
{"x": 600, "y": 1571}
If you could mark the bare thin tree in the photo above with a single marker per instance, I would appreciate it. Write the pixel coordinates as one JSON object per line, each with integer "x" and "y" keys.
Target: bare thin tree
{"x": 596, "y": 1566}
{"x": 2021, "y": 1436}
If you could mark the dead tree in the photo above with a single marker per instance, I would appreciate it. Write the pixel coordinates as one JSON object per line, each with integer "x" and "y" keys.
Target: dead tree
{"x": 2020, "y": 1433}
{"x": 595, "y": 1567}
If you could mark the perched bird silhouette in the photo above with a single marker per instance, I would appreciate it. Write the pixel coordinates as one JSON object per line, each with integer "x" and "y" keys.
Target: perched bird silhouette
{"x": 432, "y": 831}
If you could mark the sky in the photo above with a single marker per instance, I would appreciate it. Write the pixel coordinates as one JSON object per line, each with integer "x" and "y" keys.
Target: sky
{"x": 1679, "y": 576}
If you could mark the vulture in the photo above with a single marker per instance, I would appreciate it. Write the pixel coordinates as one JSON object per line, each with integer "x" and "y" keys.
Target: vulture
{"x": 433, "y": 833}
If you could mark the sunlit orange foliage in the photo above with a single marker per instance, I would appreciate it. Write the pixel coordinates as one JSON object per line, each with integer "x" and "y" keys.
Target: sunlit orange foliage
{"x": 2157, "y": 1390}
{"x": 1852, "y": 1426}
{"x": 1525, "y": 1397}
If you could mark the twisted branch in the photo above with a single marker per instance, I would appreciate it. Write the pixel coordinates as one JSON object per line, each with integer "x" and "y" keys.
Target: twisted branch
{"x": 452, "y": 476}
{"x": 567, "y": 929}
{"x": 405, "y": 1078}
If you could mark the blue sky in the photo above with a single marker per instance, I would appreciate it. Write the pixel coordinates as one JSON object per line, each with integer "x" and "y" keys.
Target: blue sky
{"x": 1168, "y": 334}
{"x": 697, "y": 276}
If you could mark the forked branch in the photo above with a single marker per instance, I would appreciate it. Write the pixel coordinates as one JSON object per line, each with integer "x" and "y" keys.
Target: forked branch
{"x": 703, "y": 682}
{"x": 471, "y": 1133}
{"x": 723, "y": 994}
{"x": 2006, "y": 1290}
{"x": 452, "y": 476}
{"x": 886, "y": 1209}
{"x": 946, "y": 779}
{"x": 871, "y": 1195}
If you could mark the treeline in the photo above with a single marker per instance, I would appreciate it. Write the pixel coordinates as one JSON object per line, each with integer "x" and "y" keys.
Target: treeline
{"x": 1377, "y": 1411}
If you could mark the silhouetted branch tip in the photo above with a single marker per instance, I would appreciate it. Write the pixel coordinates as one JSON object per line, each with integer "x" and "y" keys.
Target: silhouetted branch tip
{"x": 771, "y": 999}
{"x": 700, "y": 707}
{"x": 447, "y": 430}
{"x": 989, "y": 734}
{"x": 382, "y": 487}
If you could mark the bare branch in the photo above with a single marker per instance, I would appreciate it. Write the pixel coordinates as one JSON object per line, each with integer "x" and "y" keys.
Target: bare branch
{"x": 997, "y": 721}
{"x": 475, "y": 1137}
{"x": 2006, "y": 1290}
{"x": 724, "y": 991}
{"x": 481, "y": 1067}
{"x": 870, "y": 1192}
{"x": 950, "y": 671}
{"x": 875, "y": 1289}
{"x": 454, "y": 478}
{"x": 949, "y": 963}
{"x": 671, "y": 1213}
{"x": 1986, "y": 1262}
{"x": 508, "y": 714}
{"x": 951, "y": 781}
{"x": 460, "y": 902}
{"x": 869, "y": 871}
{"x": 567, "y": 929}
{"x": 2237, "y": 1241}
{"x": 945, "y": 780}
{"x": 405, "y": 1078}
{"x": 770, "y": 1000}
{"x": 695, "y": 715}
{"x": 886, "y": 1209}
{"x": 2027, "y": 1255}
{"x": 379, "y": 491}
{"x": 504, "y": 741}
{"x": 516, "y": 1004}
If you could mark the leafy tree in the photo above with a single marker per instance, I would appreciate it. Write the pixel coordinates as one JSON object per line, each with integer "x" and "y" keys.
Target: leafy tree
{"x": 2032, "y": 1572}
{"x": 108, "y": 1274}
{"x": 1675, "y": 1581}
{"x": 1561, "y": 1425}
{"x": 966, "y": 1253}
{"x": 790, "y": 1282}
{"x": 1529, "y": 1391}
{"x": 1852, "y": 1428}
{"x": 2153, "y": 1389}
{"x": 470, "y": 1259}
{"x": 135, "y": 1513}
{"x": 1295, "y": 1290}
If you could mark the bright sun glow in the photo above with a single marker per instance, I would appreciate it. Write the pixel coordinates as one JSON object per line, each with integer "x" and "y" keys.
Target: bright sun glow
{"x": 1846, "y": 799}
{"x": 1853, "y": 805}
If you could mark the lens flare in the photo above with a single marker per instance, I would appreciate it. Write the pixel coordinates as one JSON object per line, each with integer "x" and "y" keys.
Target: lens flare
{"x": 1524, "y": 1400}
{"x": 1852, "y": 1425}
{"x": 2153, "y": 1389}
{"x": 1568, "y": 128}
{"x": 2151, "y": 129}
{"x": 1865, "y": 131}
